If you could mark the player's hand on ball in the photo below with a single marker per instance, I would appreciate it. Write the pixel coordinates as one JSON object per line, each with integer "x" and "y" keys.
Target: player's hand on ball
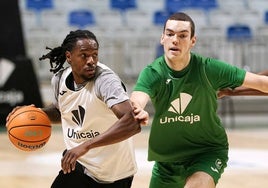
{"x": 13, "y": 111}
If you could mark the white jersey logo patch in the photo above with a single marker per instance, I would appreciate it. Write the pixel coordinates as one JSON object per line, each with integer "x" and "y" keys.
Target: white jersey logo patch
{"x": 180, "y": 104}
{"x": 78, "y": 116}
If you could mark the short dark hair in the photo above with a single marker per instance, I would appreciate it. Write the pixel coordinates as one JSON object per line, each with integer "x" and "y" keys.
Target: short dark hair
{"x": 180, "y": 16}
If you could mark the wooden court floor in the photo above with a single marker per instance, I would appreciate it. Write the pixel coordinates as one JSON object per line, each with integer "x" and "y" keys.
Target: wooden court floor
{"x": 248, "y": 166}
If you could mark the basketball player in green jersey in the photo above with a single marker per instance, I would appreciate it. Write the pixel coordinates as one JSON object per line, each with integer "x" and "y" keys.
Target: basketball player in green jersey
{"x": 187, "y": 140}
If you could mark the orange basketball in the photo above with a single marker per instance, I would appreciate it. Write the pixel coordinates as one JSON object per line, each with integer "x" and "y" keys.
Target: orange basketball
{"x": 29, "y": 128}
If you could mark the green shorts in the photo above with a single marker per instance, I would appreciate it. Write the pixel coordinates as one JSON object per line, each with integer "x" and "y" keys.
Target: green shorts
{"x": 174, "y": 174}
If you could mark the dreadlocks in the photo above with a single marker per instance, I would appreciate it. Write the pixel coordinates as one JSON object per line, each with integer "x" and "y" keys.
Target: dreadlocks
{"x": 57, "y": 55}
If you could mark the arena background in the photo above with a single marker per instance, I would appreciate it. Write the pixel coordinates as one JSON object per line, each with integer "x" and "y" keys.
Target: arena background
{"x": 234, "y": 31}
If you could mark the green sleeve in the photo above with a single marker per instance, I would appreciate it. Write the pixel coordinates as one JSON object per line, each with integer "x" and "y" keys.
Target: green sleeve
{"x": 147, "y": 81}
{"x": 223, "y": 75}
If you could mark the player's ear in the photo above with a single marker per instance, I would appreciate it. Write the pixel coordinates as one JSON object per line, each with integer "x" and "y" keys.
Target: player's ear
{"x": 162, "y": 39}
{"x": 68, "y": 56}
{"x": 193, "y": 40}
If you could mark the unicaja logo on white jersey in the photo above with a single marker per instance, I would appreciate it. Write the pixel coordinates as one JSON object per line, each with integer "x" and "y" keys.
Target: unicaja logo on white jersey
{"x": 178, "y": 106}
{"x": 78, "y": 117}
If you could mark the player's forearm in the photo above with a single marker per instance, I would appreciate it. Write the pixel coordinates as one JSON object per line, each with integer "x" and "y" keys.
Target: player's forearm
{"x": 139, "y": 99}
{"x": 246, "y": 92}
{"x": 53, "y": 113}
{"x": 124, "y": 128}
{"x": 265, "y": 73}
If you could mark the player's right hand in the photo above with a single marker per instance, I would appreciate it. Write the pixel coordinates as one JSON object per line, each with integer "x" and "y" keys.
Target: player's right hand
{"x": 14, "y": 110}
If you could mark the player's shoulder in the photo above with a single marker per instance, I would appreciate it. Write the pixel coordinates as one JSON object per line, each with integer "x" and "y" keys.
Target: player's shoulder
{"x": 104, "y": 74}
{"x": 205, "y": 61}
{"x": 62, "y": 71}
{"x": 56, "y": 78}
{"x": 103, "y": 69}
{"x": 157, "y": 67}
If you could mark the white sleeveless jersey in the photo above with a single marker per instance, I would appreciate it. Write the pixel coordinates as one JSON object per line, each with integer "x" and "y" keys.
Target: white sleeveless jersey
{"x": 85, "y": 115}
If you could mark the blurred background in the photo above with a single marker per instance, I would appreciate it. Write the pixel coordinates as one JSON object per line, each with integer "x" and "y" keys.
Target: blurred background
{"x": 129, "y": 31}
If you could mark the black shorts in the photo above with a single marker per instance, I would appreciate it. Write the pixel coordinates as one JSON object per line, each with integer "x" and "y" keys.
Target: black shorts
{"x": 78, "y": 178}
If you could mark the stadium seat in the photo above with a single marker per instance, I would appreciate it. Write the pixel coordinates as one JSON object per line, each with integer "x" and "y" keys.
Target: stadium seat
{"x": 39, "y": 5}
{"x": 250, "y": 17}
{"x": 55, "y": 19}
{"x": 266, "y": 17}
{"x": 160, "y": 17}
{"x": 257, "y": 52}
{"x": 262, "y": 31}
{"x": 212, "y": 31}
{"x": 239, "y": 32}
{"x": 112, "y": 18}
{"x": 95, "y": 5}
{"x": 260, "y": 5}
{"x": 177, "y": 5}
{"x": 221, "y": 18}
{"x": 153, "y": 32}
{"x": 206, "y": 5}
{"x": 159, "y": 50}
{"x": 232, "y": 5}
{"x": 139, "y": 18}
{"x": 150, "y": 5}
{"x": 199, "y": 17}
{"x": 138, "y": 53}
{"x": 28, "y": 19}
{"x": 81, "y": 18}
{"x": 123, "y": 5}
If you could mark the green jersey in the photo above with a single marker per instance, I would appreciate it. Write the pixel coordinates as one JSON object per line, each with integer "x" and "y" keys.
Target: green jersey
{"x": 185, "y": 122}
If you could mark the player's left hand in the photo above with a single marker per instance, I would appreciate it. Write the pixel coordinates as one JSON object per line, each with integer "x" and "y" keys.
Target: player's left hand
{"x": 68, "y": 160}
{"x": 141, "y": 115}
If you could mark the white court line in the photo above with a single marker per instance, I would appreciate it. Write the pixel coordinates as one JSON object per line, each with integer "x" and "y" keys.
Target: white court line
{"x": 48, "y": 163}
{"x": 248, "y": 159}
{"x": 239, "y": 159}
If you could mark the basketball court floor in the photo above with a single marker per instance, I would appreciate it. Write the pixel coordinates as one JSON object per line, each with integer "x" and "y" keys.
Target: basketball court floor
{"x": 248, "y": 164}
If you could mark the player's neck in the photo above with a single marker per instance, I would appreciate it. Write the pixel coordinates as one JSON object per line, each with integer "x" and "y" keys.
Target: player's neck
{"x": 179, "y": 64}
